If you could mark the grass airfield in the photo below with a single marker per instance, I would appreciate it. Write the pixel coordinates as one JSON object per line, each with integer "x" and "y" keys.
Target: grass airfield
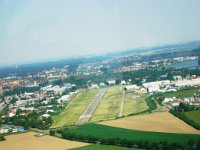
{"x": 134, "y": 103}
{"x": 108, "y": 108}
{"x": 110, "y": 104}
{"x": 77, "y": 106}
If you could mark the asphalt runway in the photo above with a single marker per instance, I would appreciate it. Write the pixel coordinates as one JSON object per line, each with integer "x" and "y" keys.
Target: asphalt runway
{"x": 86, "y": 115}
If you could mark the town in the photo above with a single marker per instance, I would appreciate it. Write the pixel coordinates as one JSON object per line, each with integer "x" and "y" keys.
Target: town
{"x": 41, "y": 95}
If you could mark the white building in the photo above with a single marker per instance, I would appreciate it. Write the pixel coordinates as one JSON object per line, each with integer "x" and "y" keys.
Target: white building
{"x": 27, "y": 109}
{"x": 102, "y": 84}
{"x": 177, "y": 78}
{"x": 5, "y": 129}
{"x": 57, "y": 90}
{"x": 132, "y": 87}
{"x": 142, "y": 91}
{"x": 184, "y": 83}
{"x": 45, "y": 116}
{"x": 94, "y": 86}
{"x": 50, "y": 110}
{"x": 24, "y": 102}
{"x": 154, "y": 87}
{"x": 111, "y": 82}
{"x": 175, "y": 104}
{"x": 156, "y": 84}
{"x": 64, "y": 98}
{"x": 167, "y": 100}
{"x": 123, "y": 82}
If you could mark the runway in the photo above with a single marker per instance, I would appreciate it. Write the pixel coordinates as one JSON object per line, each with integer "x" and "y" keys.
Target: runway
{"x": 85, "y": 117}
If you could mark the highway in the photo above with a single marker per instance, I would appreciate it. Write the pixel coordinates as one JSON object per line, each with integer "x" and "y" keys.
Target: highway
{"x": 86, "y": 115}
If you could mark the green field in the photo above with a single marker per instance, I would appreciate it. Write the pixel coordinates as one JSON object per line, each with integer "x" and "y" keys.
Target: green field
{"x": 104, "y": 147}
{"x": 194, "y": 116}
{"x": 134, "y": 103}
{"x": 70, "y": 115}
{"x": 110, "y": 104}
{"x": 183, "y": 92}
{"x": 107, "y": 132}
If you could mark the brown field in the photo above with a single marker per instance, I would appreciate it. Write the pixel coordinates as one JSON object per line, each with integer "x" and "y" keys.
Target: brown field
{"x": 27, "y": 141}
{"x": 157, "y": 122}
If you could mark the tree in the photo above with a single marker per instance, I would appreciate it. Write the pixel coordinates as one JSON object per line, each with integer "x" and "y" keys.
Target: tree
{"x": 198, "y": 145}
{"x": 2, "y": 138}
{"x": 52, "y": 132}
{"x": 185, "y": 107}
{"x": 118, "y": 81}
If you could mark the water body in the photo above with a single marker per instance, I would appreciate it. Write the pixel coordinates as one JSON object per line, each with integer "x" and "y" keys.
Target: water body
{"x": 186, "y": 64}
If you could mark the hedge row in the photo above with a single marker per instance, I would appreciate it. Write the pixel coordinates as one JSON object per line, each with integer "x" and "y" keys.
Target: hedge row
{"x": 185, "y": 119}
{"x": 129, "y": 143}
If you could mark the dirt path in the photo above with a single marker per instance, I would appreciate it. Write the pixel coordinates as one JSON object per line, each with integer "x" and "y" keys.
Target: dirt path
{"x": 121, "y": 105}
{"x": 161, "y": 108}
{"x": 46, "y": 132}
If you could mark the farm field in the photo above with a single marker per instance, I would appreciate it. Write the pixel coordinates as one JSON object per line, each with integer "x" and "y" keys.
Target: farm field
{"x": 134, "y": 103}
{"x": 70, "y": 115}
{"x": 183, "y": 93}
{"x": 156, "y": 122}
{"x": 110, "y": 104}
{"x": 104, "y": 147}
{"x": 28, "y": 141}
{"x": 108, "y": 132}
{"x": 193, "y": 115}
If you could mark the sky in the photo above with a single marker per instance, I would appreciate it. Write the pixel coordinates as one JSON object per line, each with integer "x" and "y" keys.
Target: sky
{"x": 37, "y": 30}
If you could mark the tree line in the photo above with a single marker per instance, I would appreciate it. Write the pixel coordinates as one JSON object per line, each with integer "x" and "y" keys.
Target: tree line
{"x": 184, "y": 118}
{"x": 192, "y": 144}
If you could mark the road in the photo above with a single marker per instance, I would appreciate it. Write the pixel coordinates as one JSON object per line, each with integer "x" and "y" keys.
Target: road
{"x": 86, "y": 115}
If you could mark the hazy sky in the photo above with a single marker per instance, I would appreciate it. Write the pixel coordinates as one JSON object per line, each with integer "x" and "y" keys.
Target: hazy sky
{"x": 33, "y": 30}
